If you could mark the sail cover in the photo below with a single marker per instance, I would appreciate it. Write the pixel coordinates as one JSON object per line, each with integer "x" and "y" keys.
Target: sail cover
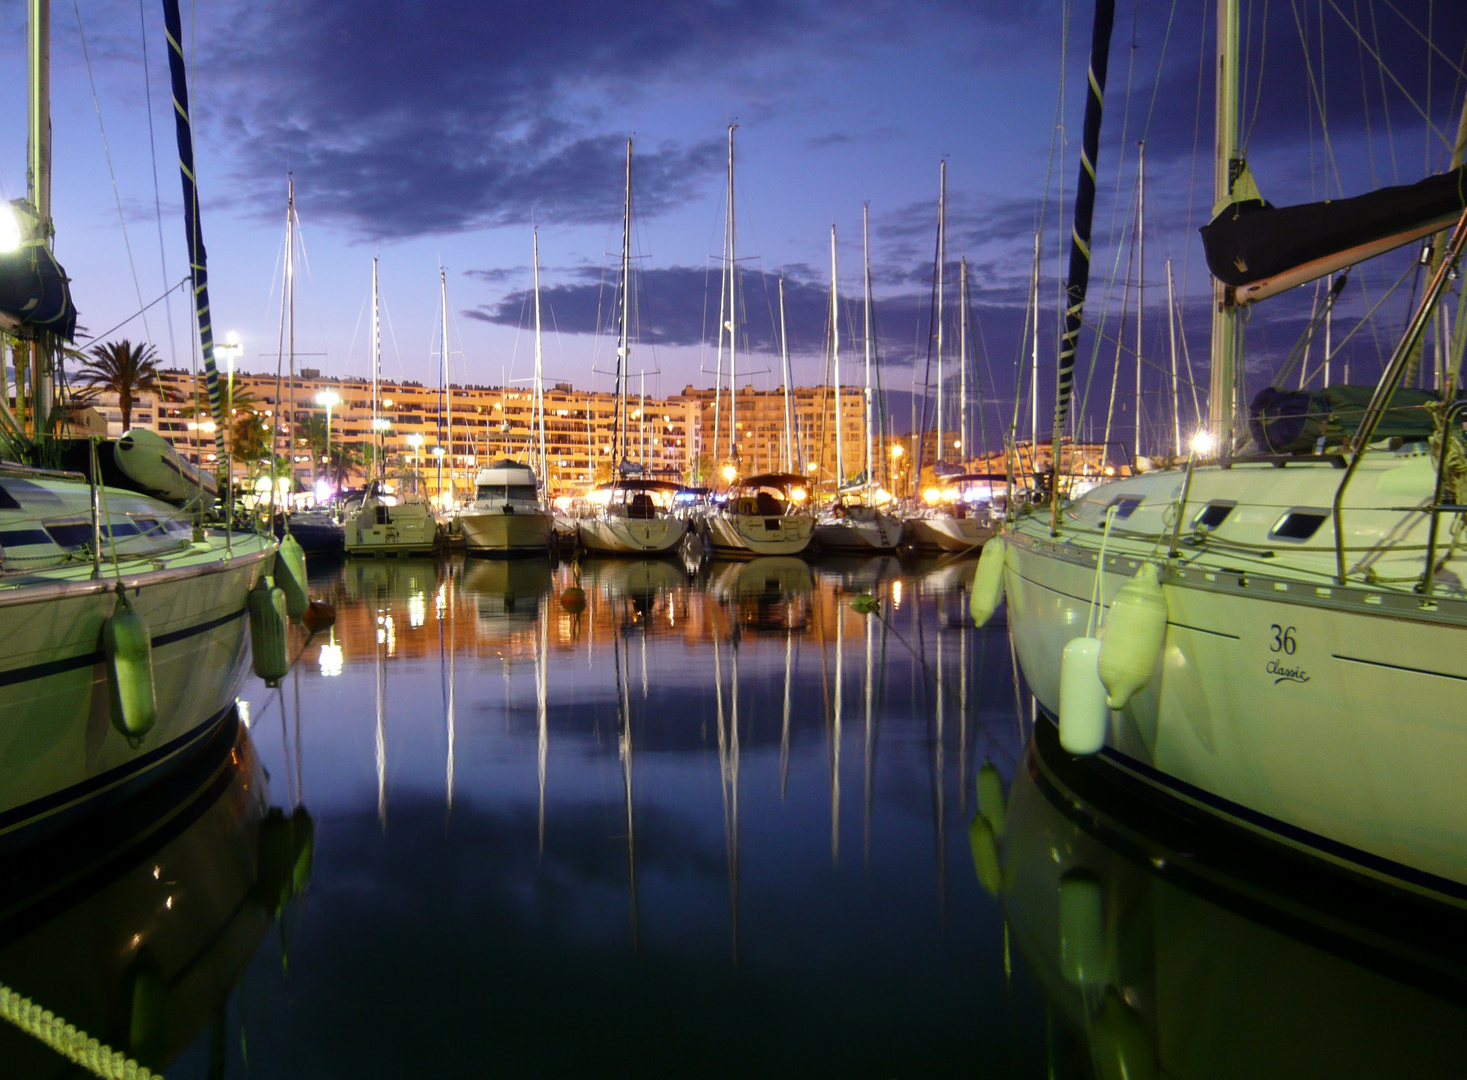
{"x": 1261, "y": 249}
{"x": 34, "y": 292}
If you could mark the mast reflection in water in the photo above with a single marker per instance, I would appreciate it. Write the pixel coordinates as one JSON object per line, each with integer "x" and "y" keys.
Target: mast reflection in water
{"x": 608, "y": 841}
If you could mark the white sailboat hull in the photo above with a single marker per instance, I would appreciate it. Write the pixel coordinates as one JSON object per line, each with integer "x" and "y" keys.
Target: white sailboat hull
{"x": 882, "y": 533}
{"x": 59, "y": 752}
{"x": 1330, "y": 719}
{"x": 611, "y": 534}
{"x": 748, "y": 535}
{"x": 948, "y": 533}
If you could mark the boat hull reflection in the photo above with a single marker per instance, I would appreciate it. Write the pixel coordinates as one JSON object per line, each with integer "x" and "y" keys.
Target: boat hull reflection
{"x": 1163, "y": 963}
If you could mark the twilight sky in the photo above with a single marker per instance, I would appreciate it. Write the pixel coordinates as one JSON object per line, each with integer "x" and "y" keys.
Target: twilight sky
{"x": 428, "y": 133}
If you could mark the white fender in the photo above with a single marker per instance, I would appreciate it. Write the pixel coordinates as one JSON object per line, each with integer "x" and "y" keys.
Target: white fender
{"x": 1083, "y": 946}
{"x": 1135, "y": 631}
{"x": 988, "y": 581}
{"x": 1083, "y": 715}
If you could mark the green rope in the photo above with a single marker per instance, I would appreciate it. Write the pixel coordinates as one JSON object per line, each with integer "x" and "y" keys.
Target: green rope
{"x": 68, "y": 1040}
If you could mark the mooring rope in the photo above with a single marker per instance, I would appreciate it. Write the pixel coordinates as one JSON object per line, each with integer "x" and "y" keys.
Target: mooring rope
{"x": 68, "y": 1040}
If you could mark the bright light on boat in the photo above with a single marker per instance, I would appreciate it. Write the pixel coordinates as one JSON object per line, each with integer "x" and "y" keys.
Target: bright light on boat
{"x": 9, "y": 228}
{"x": 799, "y": 494}
{"x": 897, "y": 451}
{"x": 1203, "y": 443}
{"x": 730, "y": 473}
{"x": 931, "y": 496}
{"x": 323, "y": 491}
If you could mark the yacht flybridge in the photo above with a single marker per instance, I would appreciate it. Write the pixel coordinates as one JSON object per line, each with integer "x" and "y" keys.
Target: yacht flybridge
{"x": 1275, "y": 638}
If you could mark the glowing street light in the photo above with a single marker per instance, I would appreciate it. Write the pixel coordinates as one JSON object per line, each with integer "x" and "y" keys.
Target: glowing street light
{"x": 416, "y": 442}
{"x": 1204, "y": 443}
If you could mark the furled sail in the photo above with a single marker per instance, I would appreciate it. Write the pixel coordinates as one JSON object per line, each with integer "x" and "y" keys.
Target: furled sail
{"x": 34, "y": 291}
{"x": 1261, "y": 249}
{"x": 197, "y": 257}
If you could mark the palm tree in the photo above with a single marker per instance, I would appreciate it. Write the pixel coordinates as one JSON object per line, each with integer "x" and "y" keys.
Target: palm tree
{"x": 121, "y": 368}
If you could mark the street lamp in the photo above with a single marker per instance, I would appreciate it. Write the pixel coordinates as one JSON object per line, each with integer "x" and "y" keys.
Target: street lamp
{"x": 416, "y": 442}
{"x": 329, "y": 398}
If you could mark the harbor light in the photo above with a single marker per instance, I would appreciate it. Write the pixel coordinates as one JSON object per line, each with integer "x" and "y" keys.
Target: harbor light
{"x": 931, "y": 496}
{"x": 730, "y": 473}
{"x": 799, "y": 494}
{"x": 897, "y": 451}
{"x": 1203, "y": 443}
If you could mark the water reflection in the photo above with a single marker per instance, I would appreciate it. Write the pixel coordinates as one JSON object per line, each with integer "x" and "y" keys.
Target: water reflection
{"x": 617, "y": 833}
{"x": 133, "y": 931}
{"x": 1199, "y": 973}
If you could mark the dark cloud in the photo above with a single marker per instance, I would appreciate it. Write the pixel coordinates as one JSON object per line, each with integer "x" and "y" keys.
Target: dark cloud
{"x": 402, "y": 119}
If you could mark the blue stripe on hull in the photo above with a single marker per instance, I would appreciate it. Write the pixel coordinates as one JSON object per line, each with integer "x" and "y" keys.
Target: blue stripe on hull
{"x": 24, "y": 824}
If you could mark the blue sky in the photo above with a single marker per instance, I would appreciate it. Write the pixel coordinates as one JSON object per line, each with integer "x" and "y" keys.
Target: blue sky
{"x": 422, "y": 133}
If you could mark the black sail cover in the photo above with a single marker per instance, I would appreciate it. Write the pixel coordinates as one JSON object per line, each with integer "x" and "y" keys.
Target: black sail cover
{"x": 34, "y": 291}
{"x": 1252, "y": 240}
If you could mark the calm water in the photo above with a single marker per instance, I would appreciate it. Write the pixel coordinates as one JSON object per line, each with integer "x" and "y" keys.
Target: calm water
{"x": 718, "y": 823}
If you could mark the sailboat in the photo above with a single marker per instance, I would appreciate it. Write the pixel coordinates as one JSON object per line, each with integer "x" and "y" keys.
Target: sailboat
{"x": 949, "y": 522}
{"x": 508, "y": 515}
{"x": 856, "y": 523}
{"x": 632, "y": 515}
{"x": 392, "y": 520}
{"x": 1281, "y": 643}
{"x": 767, "y": 514}
{"x": 317, "y": 531}
{"x": 85, "y": 567}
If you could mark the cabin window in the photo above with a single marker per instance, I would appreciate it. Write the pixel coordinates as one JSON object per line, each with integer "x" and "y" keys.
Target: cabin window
{"x": 513, "y": 492}
{"x": 1213, "y": 514}
{"x": 1126, "y": 505}
{"x": 1298, "y": 525}
{"x": 7, "y": 500}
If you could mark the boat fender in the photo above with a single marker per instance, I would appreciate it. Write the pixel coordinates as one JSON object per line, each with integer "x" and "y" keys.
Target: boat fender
{"x": 319, "y": 616}
{"x": 290, "y": 576}
{"x": 1120, "y": 1044}
{"x": 991, "y": 803}
{"x": 128, "y": 647}
{"x": 1083, "y": 715}
{"x": 986, "y": 863}
{"x": 1135, "y": 631}
{"x": 987, "y": 591}
{"x": 865, "y": 604}
{"x": 269, "y": 632}
{"x": 148, "y": 1021}
{"x": 573, "y": 599}
{"x": 1082, "y": 928}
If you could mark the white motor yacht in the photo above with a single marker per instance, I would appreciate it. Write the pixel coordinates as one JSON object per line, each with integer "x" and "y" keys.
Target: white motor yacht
{"x": 507, "y": 516}
{"x": 391, "y": 522}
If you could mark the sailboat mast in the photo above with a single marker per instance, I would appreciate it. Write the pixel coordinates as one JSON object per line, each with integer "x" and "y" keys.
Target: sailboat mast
{"x": 377, "y": 439}
{"x": 967, "y": 450}
{"x": 1223, "y": 382}
{"x": 1140, "y": 273}
{"x": 789, "y": 407}
{"x": 1034, "y": 364}
{"x": 38, "y": 170}
{"x": 840, "y": 459}
{"x": 290, "y": 318}
{"x": 733, "y": 316}
{"x": 539, "y": 399}
{"x": 866, "y": 258}
{"x": 624, "y": 346}
{"x": 941, "y": 288}
{"x": 447, "y": 385}
{"x": 1171, "y": 322}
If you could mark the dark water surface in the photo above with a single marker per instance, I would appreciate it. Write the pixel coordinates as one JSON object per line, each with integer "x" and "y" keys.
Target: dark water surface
{"x": 716, "y": 824}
